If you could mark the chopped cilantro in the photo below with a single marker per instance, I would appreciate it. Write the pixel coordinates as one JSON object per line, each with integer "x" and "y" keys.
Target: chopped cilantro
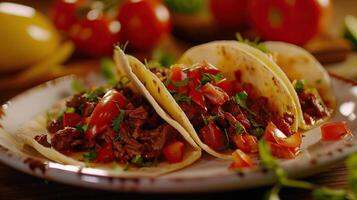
{"x": 78, "y": 86}
{"x": 126, "y": 167}
{"x": 299, "y": 86}
{"x": 69, "y": 110}
{"x": 82, "y": 128}
{"x": 239, "y": 128}
{"x": 206, "y": 78}
{"x": 93, "y": 96}
{"x": 118, "y": 120}
{"x": 180, "y": 83}
{"x": 241, "y": 99}
{"x": 181, "y": 98}
{"x": 108, "y": 70}
{"x": 255, "y": 43}
{"x": 138, "y": 160}
{"x": 90, "y": 156}
{"x": 207, "y": 119}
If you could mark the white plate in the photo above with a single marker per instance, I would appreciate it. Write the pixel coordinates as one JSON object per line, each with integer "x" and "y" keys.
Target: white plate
{"x": 207, "y": 175}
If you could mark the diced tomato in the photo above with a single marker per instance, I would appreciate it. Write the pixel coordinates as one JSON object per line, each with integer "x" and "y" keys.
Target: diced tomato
{"x": 241, "y": 160}
{"x": 215, "y": 94}
{"x": 282, "y": 152}
{"x": 209, "y": 69}
{"x": 103, "y": 114}
{"x": 212, "y": 136}
{"x": 228, "y": 86}
{"x": 194, "y": 74}
{"x": 198, "y": 98}
{"x": 247, "y": 143}
{"x": 174, "y": 152}
{"x": 105, "y": 154}
{"x": 274, "y": 135}
{"x": 334, "y": 131}
{"x": 249, "y": 88}
{"x": 70, "y": 119}
{"x": 243, "y": 120}
{"x": 177, "y": 74}
{"x": 282, "y": 125}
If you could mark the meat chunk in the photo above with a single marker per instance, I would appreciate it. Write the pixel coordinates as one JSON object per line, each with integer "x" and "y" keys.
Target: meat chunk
{"x": 67, "y": 139}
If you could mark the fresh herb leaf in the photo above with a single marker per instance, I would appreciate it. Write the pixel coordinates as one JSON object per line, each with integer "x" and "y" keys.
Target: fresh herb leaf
{"x": 186, "y": 6}
{"x": 78, "y": 86}
{"x": 69, "y": 110}
{"x": 138, "y": 160}
{"x": 118, "y": 120}
{"x": 180, "y": 83}
{"x": 255, "y": 43}
{"x": 181, "y": 98}
{"x": 241, "y": 99}
{"x": 207, "y": 119}
{"x": 108, "y": 70}
{"x": 126, "y": 167}
{"x": 93, "y": 96}
{"x": 239, "y": 128}
{"x": 82, "y": 128}
{"x": 206, "y": 78}
{"x": 299, "y": 85}
{"x": 90, "y": 156}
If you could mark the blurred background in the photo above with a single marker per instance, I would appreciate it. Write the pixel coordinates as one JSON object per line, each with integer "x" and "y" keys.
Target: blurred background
{"x": 44, "y": 39}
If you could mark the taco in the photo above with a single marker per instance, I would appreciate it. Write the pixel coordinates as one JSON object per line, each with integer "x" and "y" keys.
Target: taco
{"x": 119, "y": 126}
{"x": 226, "y": 99}
{"x": 305, "y": 78}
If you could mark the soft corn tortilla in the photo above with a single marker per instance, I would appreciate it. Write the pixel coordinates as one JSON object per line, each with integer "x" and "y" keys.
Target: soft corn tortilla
{"x": 227, "y": 58}
{"x": 38, "y": 127}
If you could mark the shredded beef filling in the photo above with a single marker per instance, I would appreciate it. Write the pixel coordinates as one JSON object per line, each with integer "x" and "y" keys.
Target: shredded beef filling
{"x": 312, "y": 108}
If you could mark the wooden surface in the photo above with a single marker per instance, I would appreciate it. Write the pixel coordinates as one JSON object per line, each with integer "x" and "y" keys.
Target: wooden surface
{"x": 19, "y": 186}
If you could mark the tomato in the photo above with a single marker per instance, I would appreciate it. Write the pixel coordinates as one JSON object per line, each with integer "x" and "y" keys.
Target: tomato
{"x": 63, "y": 13}
{"x": 241, "y": 160}
{"x": 228, "y": 86}
{"x": 334, "y": 131}
{"x": 174, "y": 152}
{"x": 70, "y": 119}
{"x": 291, "y": 21}
{"x": 103, "y": 114}
{"x": 282, "y": 152}
{"x": 194, "y": 74}
{"x": 177, "y": 74}
{"x": 96, "y": 36}
{"x": 215, "y": 94}
{"x": 274, "y": 135}
{"x": 231, "y": 13}
{"x": 105, "y": 154}
{"x": 282, "y": 125}
{"x": 144, "y": 22}
{"x": 243, "y": 120}
{"x": 198, "y": 98}
{"x": 209, "y": 69}
{"x": 212, "y": 136}
{"x": 247, "y": 143}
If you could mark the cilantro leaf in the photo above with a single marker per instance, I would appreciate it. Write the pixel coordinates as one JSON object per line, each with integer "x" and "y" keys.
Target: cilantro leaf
{"x": 299, "y": 86}
{"x": 69, "y": 110}
{"x": 255, "y": 43}
{"x": 93, "y": 96}
{"x": 239, "y": 128}
{"x": 206, "y": 78}
{"x": 82, "y": 128}
{"x": 180, "y": 83}
{"x": 241, "y": 99}
{"x": 138, "y": 160}
{"x": 118, "y": 120}
{"x": 181, "y": 98}
{"x": 89, "y": 156}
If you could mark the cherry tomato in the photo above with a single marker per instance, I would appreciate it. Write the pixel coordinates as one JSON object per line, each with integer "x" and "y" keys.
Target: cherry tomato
{"x": 274, "y": 135}
{"x": 63, "y": 13}
{"x": 291, "y": 21}
{"x": 334, "y": 131}
{"x": 70, "y": 119}
{"x": 144, "y": 22}
{"x": 103, "y": 114}
{"x": 105, "y": 154}
{"x": 174, "y": 152}
{"x": 230, "y": 13}
{"x": 228, "y": 86}
{"x": 215, "y": 94}
{"x": 282, "y": 152}
{"x": 212, "y": 136}
{"x": 247, "y": 143}
{"x": 241, "y": 160}
{"x": 96, "y": 36}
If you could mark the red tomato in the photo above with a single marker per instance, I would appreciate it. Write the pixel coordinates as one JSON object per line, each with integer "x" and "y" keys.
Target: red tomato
{"x": 105, "y": 154}
{"x": 212, "y": 136}
{"x": 194, "y": 74}
{"x": 70, "y": 119}
{"x": 63, "y": 13}
{"x": 227, "y": 86}
{"x": 209, "y": 69}
{"x": 241, "y": 160}
{"x": 174, "y": 152}
{"x": 243, "y": 120}
{"x": 144, "y": 22}
{"x": 334, "y": 131}
{"x": 282, "y": 152}
{"x": 274, "y": 135}
{"x": 291, "y": 21}
{"x": 215, "y": 94}
{"x": 103, "y": 114}
{"x": 247, "y": 143}
{"x": 198, "y": 98}
{"x": 177, "y": 74}
{"x": 231, "y": 13}
{"x": 95, "y": 37}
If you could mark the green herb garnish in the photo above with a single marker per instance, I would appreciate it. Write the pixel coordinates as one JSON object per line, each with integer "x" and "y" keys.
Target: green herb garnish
{"x": 90, "y": 156}
{"x": 138, "y": 160}
{"x": 82, "y": 128}
{"x": 123, "y": 82}
{"x": 161, "y": 58}
{"x": 239, "y": 128}
{"x": 207, "y": 119}
{"x": 255, "y": 43}
{"x": 118, "y": 120}
{"x": 299, "y": 86}
{"x": 241, "y": 99}
{"x": 180, "y": 83}
{"x": 181, "y": 98}
{"x": 69, "y": 110}
{"x": 93, "y": 96}
{"x": 206, "y": 78}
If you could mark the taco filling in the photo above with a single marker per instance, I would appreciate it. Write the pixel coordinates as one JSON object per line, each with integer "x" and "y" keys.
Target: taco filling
{"x": 113, "y": 125}
{"x": 228, "y": 114}
{"x": 312, "y": 105}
